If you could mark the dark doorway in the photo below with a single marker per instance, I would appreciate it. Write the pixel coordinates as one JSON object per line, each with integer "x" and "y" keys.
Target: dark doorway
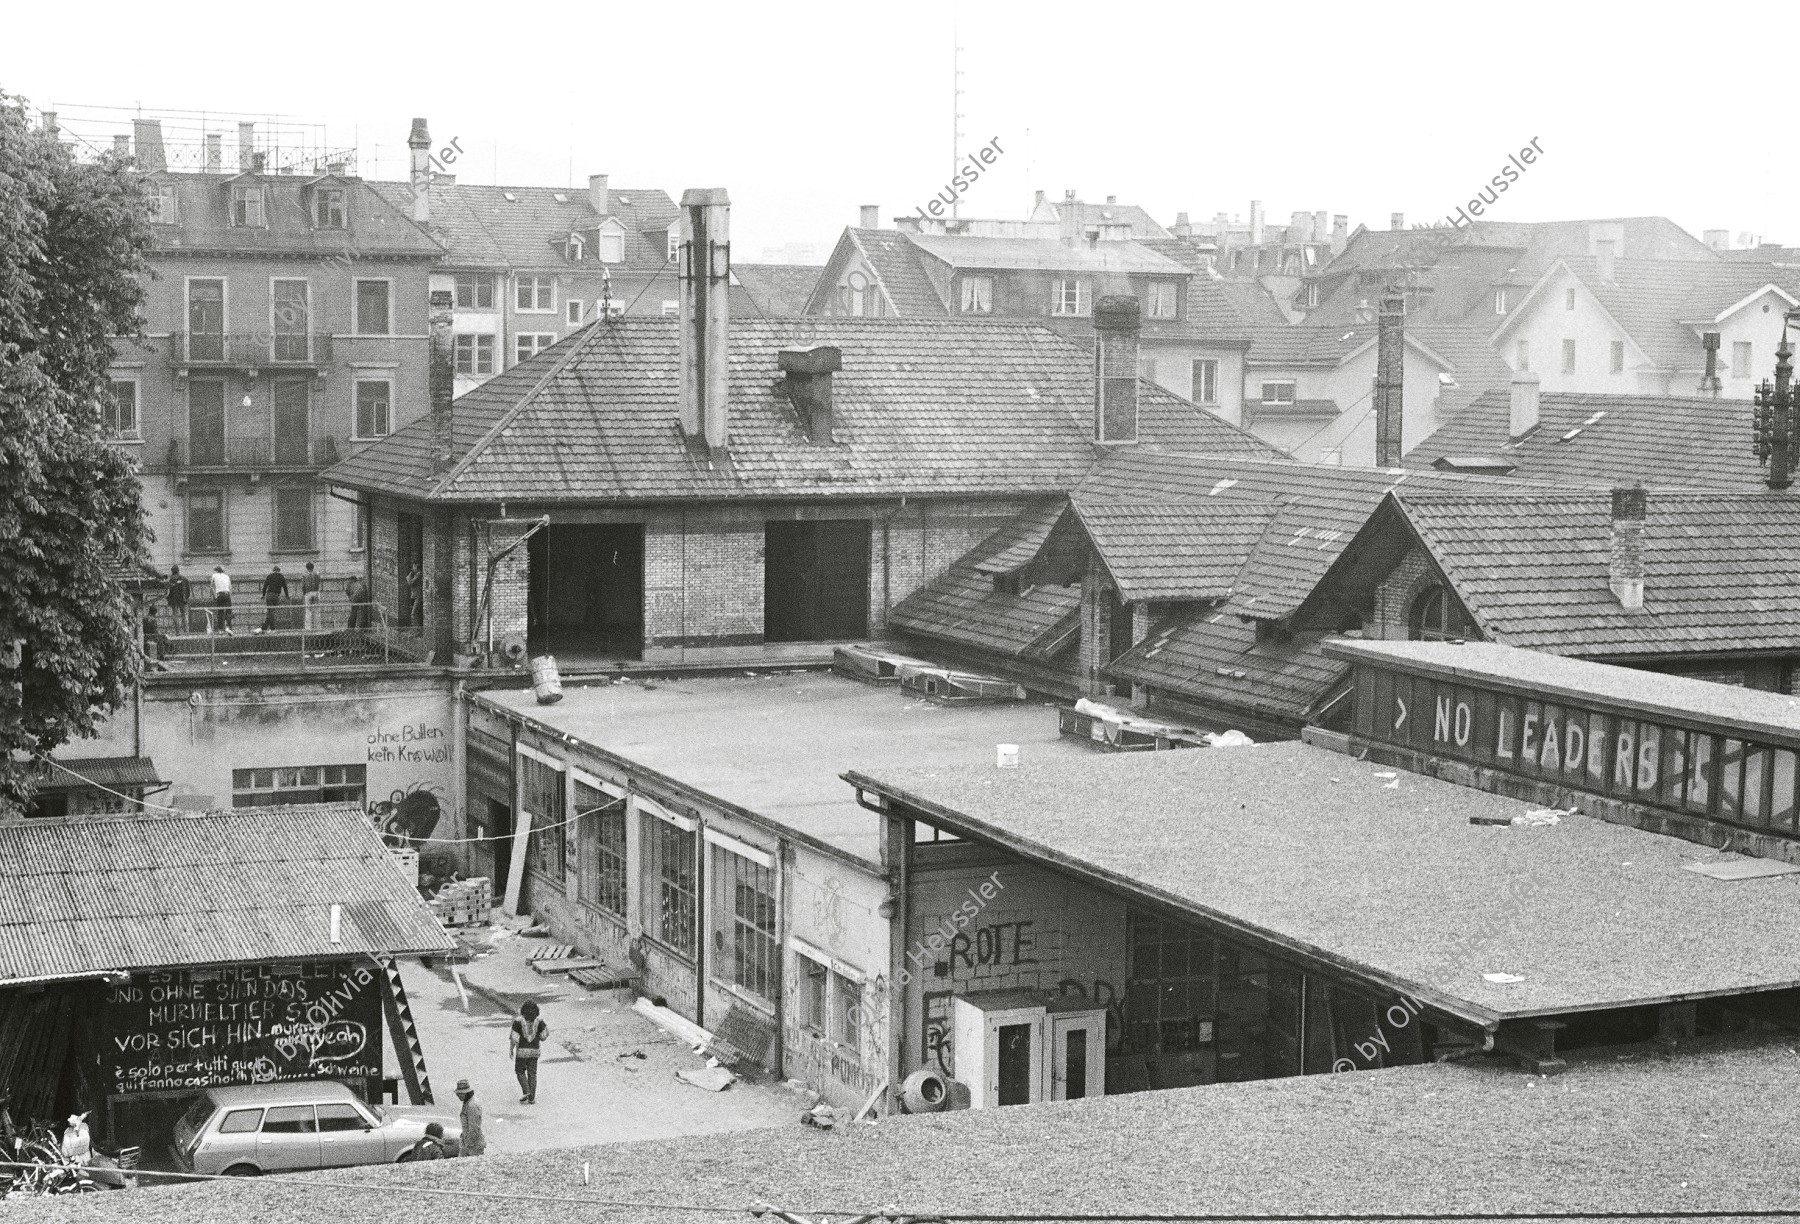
{"x": 500, "y": 830}
{"x": 1075, "y": 1065}
{"x": 292, "y": 428}
{"x": 587, "y": 589}
{"x": 412, "y": 570}
{"x": 816, "y": 581}
{"x": 1015, "y": 1064}
{"x": 206, "y": 423}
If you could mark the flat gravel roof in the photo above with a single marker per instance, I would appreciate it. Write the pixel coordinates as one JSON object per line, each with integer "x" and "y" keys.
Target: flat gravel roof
{"x": 1708, "y": 1130}
{"x": 1379, "y": 871}
{"x": 775, "y": 744}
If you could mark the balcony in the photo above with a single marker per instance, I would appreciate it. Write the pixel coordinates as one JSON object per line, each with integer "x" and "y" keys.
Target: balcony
{"x": 251, "y": 454}
{"x": 249, "y": 351}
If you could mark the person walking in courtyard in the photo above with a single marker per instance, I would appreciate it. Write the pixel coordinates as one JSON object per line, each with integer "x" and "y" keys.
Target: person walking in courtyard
{"x": 309, "y": 597}
{"x": 474, "y": 1139}
{"x": 527, "y": 1042}
{"x": 221, "y": 588}
{"x": 274, "y": 590}
{"x": 179, "y": 590}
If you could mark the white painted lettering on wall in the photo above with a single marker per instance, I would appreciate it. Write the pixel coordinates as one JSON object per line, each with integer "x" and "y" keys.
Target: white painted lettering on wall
{"x": 418, "y": 743}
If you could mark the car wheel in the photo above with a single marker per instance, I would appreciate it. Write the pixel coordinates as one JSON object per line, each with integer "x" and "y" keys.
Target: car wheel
{"x": 243, "y": 1170}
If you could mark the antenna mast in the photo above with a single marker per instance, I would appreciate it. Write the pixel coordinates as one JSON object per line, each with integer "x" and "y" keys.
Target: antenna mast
{"x": 955, "y": 108}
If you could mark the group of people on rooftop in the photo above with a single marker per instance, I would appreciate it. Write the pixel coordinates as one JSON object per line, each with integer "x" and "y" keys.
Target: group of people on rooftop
{"x": 275, "y": 592}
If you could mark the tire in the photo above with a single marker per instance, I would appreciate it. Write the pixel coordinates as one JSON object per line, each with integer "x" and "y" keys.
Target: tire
{"x": 243, "y": 1170}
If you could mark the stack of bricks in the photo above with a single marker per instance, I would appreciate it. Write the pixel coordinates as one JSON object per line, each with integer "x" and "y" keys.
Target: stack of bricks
{"x": 464, "y": 902}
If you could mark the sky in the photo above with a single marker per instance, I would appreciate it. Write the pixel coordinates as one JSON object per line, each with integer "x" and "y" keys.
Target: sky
{"x": 805, "y": 111}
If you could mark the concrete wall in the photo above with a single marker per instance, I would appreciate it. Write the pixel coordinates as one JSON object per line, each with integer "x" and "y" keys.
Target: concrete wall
{"x": 197, "y": 729}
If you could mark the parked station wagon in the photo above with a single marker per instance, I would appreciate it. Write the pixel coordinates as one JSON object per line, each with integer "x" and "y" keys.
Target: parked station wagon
{"x": 315, "y": 1124}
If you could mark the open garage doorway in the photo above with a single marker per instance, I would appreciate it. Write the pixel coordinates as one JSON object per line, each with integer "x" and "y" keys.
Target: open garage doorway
{"x": 816, "y": 581}
{"x": 587, "y": 590}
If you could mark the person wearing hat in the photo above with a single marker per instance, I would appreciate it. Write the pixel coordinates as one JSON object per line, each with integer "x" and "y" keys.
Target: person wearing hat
{"x": 474, "y": 1141}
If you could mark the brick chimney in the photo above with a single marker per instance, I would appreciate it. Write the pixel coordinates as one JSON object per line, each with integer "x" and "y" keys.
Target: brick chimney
{"x": 1068, "y": 219}
{"x": 122, "y": 144}
{"x": 1116, "y": 326}
{"x": 807, "y": 384}
{"x": 1524, "y": 404}
{"x": 441, "y": 377}
{"x": 1603, "y": 259}
{"x": 215, "y": 153}
{"x": 246, "y": 142}
{"x": 1340, "y": 233}
{"x": 146, "y": 137}
{"x": 1390, "y": 379}
{"x": 50, "y": 123}
{"x": 599, "y": 195}
{"x": 418, "y": 143}
{"x": 705, "y": 319}
{"x": 1717, "y": 239}
{"x": 1625, "y": 566}
{"x": 871, "y": 216}
{"x": 1256, "y": 223}
{"x": 1396, "y": 221}
{"x": 1709, "y": 381}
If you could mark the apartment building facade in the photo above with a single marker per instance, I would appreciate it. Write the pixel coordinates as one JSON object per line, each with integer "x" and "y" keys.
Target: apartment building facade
{"x": 284, "y": 327}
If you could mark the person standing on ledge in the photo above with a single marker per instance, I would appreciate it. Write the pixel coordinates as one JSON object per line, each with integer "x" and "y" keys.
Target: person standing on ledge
{"x": 528, "y": 1033}
{"x": 274, "y": 591}
{"x": 309, "y": 597}
{"x": 221, "y": 587}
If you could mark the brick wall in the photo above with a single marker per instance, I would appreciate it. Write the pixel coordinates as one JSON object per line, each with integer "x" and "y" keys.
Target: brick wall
{"x": 1039, "y": 931}
{"x": 1096, "y": 629}
{"x": 384, "y": 553}
{"x": 1395, "y": 594}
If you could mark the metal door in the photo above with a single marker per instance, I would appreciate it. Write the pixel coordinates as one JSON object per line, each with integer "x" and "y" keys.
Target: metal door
{"x": 1077, "y": 1056}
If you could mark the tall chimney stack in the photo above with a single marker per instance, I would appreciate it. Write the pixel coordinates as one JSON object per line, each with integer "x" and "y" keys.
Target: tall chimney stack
{"x": 705, "y": 319}
{"x": 146, "y": 137}
{"x": 418, "y": 144}
{"x": 246, "y": 143}
{"x": 1524, "y": 404}
{"x": 1256, "y": 223}
{"x": 871, "y": 216}
{"x": 1390, "y": 379}
{"x": 599, "y": 195}
{"x": 122, "y": 144}
{"x": 1709, "y": 381}
{"x": 1340, "y": 233}
{"x": 1116, "y": 325}
{"x": 215, "y": 153}
{"x": 50, "y": 123}
{"x": 1625, "y": 567}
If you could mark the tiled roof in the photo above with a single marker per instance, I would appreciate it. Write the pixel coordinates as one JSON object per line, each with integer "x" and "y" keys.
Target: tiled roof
{"x": 1659, "y": 440}
{"x": 921, "y": 406}
{"x": 374, "y": 224}
{"x": 894, "y": 260}
{"x": 481, "y": 227}
{"x": 1215, "y": 658}
{"x": 1086, "y": 215}
{"x": 962, "y": 607}
{"x": 1192, "y": 550}
{"x": 227, "y": 887}
{"x": 778, "y": 290}
{"x": 1657, "y": 302}
{"x": 960, "y": 251}
{"x": 1532, "y": 570}
{"x": 1251, "y": 301}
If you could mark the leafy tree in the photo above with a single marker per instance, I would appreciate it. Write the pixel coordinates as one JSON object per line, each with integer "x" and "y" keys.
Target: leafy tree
{"x": 72, "y": 236}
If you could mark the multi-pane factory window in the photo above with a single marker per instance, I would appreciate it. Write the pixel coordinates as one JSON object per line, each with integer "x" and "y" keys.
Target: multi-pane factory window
{"x": 671, "y": 903}
{"x": 743, "y": 923}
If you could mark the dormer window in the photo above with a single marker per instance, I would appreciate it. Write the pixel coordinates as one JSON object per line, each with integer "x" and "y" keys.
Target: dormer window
{"x": 1161, "y": 299}
{"x": 577, "y": 249}
{"x": 612, "y": 247}
{"x": 328, "y": 208}
{"x": 160, "y": 204}
{"x": 674, "y": 243}
{"x": 978, "y": 295}
{"x": 248, "y": 206}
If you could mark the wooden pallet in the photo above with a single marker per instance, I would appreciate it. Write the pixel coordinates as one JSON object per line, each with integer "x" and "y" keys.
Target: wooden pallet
{"x": 601, "y": 977}
{"x": 551, "y": 951}
{"x": 565, "y": 964}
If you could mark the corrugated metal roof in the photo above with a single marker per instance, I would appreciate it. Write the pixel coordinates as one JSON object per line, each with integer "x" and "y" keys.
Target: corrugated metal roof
{"x": 95, "y": 771}
{"x": 216, "y": 888}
